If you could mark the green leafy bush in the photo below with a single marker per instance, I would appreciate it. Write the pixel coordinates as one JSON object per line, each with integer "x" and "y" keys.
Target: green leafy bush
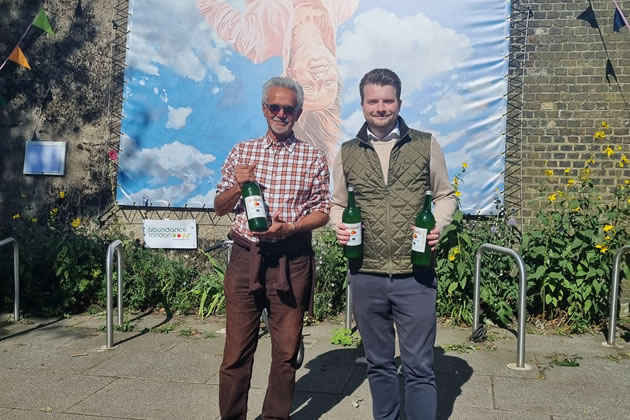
{"x": 330, "y": 264}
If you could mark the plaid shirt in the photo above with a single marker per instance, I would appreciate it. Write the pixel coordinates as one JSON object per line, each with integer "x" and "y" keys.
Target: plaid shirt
{"x": 293, "y": 177}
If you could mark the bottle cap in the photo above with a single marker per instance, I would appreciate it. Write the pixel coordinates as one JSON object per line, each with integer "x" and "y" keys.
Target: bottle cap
{"x": 428, "y": 192}
{"x": 350, "y": 187}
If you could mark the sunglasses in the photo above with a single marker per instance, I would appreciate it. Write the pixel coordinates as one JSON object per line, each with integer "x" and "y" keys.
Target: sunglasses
{"x": 275, "y": 108}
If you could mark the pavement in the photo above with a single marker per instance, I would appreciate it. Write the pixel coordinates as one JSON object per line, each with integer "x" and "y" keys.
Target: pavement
{"x": 168, "y": 369}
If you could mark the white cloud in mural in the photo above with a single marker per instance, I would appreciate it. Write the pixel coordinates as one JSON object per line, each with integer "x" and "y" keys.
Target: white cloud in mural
{"x": 448, "y": 108}
{"x": 162, "y": 196}
{"x": 177, "y": 117}
{"x": 191, "y": 53}
{"x": 353, "y": 123}
{"x": 415, "y": 47}
{"x": 172, "y": 161}
{"x": 207, "y": 199}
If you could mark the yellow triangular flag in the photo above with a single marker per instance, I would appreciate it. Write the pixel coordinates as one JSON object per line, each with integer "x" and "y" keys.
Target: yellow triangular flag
{"x": 41, "y": 21}
{"x": 17, "y": 56}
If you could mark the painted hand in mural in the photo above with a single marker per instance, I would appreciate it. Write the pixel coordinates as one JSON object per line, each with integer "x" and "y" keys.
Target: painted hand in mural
{"x": 303, "y": 33}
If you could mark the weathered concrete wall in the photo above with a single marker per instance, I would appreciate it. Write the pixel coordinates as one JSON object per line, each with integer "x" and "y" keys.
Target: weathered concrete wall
{"x": 63, "y": 97}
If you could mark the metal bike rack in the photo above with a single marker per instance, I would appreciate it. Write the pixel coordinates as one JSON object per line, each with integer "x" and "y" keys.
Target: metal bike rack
{"x": 522, "y": 293}
{"x": 614, "y": 296}
{"x": 16, "y": 275}
{"x": 115, "y": 246}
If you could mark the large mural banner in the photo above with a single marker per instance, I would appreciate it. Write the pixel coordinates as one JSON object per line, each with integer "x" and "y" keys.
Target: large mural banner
{"x": 195, "y": 70}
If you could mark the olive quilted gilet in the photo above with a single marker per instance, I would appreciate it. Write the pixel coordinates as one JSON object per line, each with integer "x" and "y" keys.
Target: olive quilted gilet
{"x": 389, "y": 210}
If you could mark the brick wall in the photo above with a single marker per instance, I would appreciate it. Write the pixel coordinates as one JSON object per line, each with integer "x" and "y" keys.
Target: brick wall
{"x": 566, "y": 96}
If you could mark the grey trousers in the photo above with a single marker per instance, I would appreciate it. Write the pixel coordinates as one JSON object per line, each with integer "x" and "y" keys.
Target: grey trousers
{"x": 409, "y": 301}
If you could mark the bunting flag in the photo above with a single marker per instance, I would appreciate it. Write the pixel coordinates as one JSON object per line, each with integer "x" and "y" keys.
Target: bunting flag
{"x": 619, "y": 20}
{"x": 41, "y": 21}
{"x": 17, "y": 56}
{"x": 589, "y": 16}
{"x": 610, "y": 71}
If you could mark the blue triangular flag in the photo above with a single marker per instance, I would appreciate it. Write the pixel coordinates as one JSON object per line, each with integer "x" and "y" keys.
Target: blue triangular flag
{"x": 618, "y": 21}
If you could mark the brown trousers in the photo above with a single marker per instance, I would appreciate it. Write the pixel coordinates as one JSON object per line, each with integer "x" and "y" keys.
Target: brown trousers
{"x": 286, "y": 313}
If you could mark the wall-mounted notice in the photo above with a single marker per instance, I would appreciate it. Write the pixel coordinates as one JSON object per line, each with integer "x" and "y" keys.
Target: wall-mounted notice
{"x": 171, "y": 234}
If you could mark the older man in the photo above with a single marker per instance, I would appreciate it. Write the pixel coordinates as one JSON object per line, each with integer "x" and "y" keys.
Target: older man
{"x": 272, "y": 269}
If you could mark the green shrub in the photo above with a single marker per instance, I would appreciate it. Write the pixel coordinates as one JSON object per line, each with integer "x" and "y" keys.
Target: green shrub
{"x": 330, "y": 264}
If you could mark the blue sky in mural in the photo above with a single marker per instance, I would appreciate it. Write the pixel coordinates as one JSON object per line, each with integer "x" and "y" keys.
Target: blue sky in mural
{"x": 189, "y": 96}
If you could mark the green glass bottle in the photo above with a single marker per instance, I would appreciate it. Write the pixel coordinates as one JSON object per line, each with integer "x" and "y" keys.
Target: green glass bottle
{"x": 351, "y": 218}
{"x": 425, "y": 222}
{"x": 255, "y": 207}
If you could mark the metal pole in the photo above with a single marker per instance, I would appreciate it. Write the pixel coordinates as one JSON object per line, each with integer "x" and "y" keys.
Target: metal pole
{"x": 348, "y": 301}
{"x": 120, "y": 285}
{"x": 110, "y": 303}
{"x": 522, "y": 295}
{"x": 614, "y": 295}
{"x": 476, "y": 289}
{"x": 16, "y": 276}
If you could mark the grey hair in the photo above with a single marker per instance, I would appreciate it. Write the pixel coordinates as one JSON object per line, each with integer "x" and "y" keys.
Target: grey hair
{"x": 285, "y": 82}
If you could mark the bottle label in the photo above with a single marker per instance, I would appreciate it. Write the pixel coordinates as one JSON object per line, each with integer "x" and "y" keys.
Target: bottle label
{"x": 419, "y": 241}
{"x": 255, "y": 207}
{"x": 355, "y": 234}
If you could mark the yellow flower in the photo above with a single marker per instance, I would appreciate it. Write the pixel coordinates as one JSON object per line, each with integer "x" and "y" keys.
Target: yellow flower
{"x": 605, "y": 126}
{"x": 34, "y": 219}
{"x": 62, "y": 194}
{"x": 552, "y": 197}
{"x": 451, "y": 257}
{"x": 23, "y": 195}
{"x": 628, "y": 200}
{"x": 76, "y": 222}
{"x": 559, "y": 193}
{"x": 16, "y": 216}
{"x": 549, "y": 172}
{"x": 458, "y": 194}
{"x": 600, "y": 135}
{"x": 456, "y": 250}
{"x": 464, "y": 165}
{"x": 627, "y": 181}
{"x": 455, "y": 181}
{"x": 608, "y": 228}
{"x": 576, "y": 209}
{"x": 567, "y": 171}
{"x": 599, "y": 197}
{"x": 624, "y": 159}
{"x": 621, "y": 164}
{"x": 602, "y": 248}
{"x": 610, "y": 152}
{"x": 608, "y": 238}
{"x": 54, "y": 211}
{"x": 570, "y": 182}
{"x": 590, "y": 161}
{"x": 619, "y": 148}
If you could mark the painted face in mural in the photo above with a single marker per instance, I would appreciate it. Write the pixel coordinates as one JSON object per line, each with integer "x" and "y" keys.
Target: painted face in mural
{"x": 380, "y": 108}
{"x": 315, "y": 68}
{"x": 280, "y": 110}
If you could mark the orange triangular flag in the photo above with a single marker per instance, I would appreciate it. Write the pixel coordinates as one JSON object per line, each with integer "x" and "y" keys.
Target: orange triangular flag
{"x": 17, "y": 56}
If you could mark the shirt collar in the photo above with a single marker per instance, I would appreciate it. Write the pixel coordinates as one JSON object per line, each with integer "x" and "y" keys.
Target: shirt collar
{"x": 394, "y": 134}
{"x": 288, "y": 143}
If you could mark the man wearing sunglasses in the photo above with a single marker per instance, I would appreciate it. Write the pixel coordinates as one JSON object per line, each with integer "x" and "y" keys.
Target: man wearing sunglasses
{"x": 275, "y": 268}
{"x": 391, "y": 166}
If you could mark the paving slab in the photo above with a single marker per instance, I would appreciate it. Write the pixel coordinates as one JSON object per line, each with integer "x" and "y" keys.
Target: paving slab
{"x": 48, "y": 415}
{"x": 34, "y": 357}
{"x": 467, "y": 413}
{"x": 42, "y": 390}
{"x": 194, "y": 368}
{"x": 573, "y": 398}
{"x": 151, "y": 399}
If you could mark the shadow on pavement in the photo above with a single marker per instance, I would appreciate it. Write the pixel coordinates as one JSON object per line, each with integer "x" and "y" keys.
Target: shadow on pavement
{"x": 451, "y": 373}
{"x": 334, "y": 376}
